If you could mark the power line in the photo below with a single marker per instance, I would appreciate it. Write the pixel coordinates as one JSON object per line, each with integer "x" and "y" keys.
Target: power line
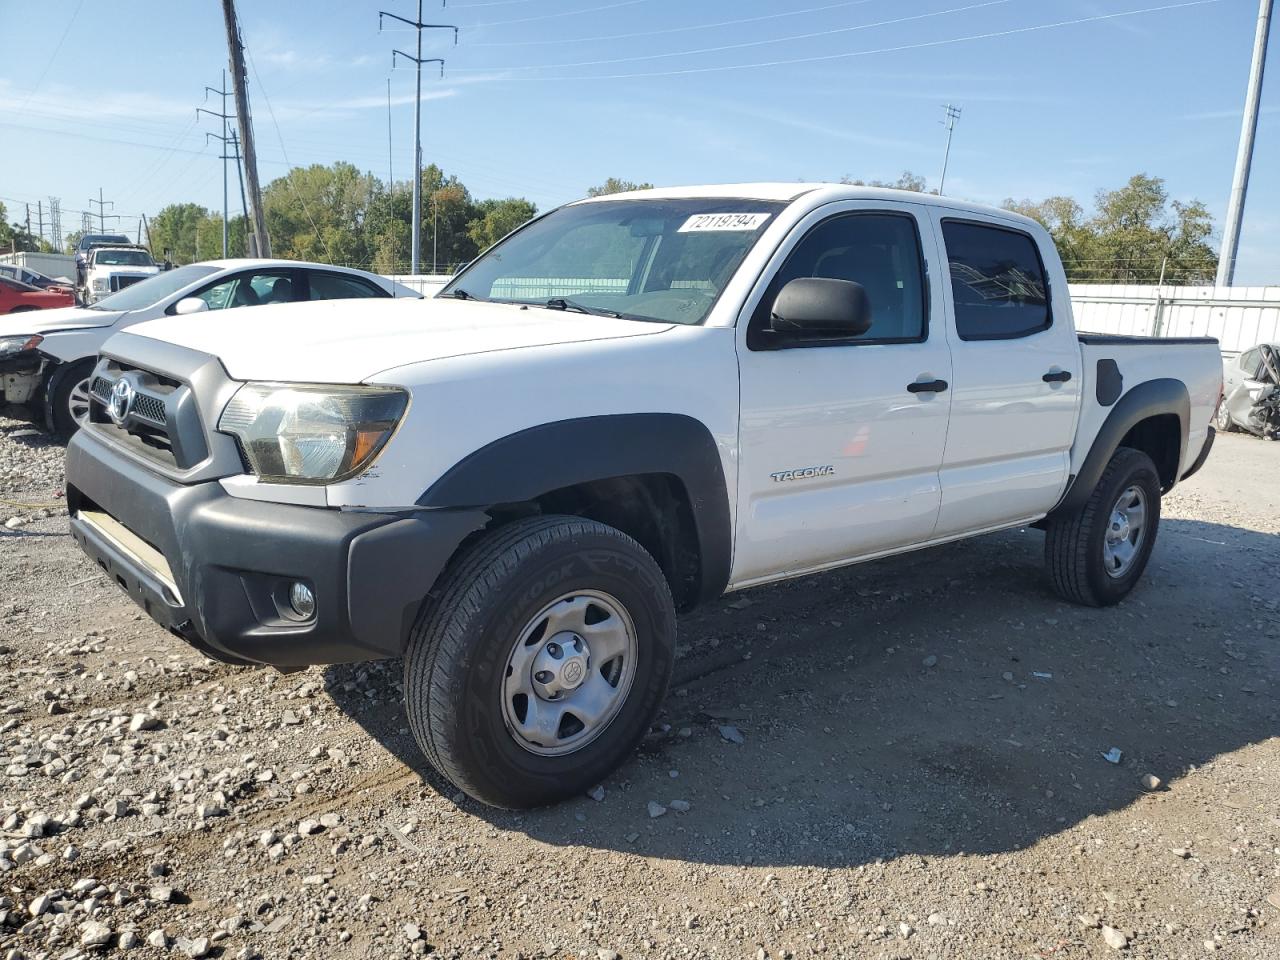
{"x": 554, "y": 16}
{"x": 56, "y": 50}
{"x": 750, "y": 43}
{"x": 922, "y": 45}
{"x": 669, "y": 30}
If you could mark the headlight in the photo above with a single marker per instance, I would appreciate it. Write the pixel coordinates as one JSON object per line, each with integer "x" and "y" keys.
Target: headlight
{"x": 99, "y": 283}
{"x": 300, "y": 433}
{"x": 11, "y": 345}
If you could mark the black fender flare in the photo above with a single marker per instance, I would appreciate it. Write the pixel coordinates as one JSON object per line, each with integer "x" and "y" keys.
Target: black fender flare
{"x": 1150, "y": 399}
{"x": 517, "y": 469}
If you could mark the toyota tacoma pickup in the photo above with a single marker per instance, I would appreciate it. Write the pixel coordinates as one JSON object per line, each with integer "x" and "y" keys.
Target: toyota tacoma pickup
{"x": 628, "y": 406}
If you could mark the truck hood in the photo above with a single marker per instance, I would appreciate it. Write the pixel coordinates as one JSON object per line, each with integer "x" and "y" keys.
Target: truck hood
{"x": 60, "y": 318}
{"x": 347, "y": 341}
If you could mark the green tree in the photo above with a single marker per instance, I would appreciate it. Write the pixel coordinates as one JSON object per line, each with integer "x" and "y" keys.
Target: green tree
{"x": 908, "y": 181}
{"x": 179, "y": 228}
{"x": 497, "y": 219}
{"x": 1134, "y": 235}
{"x": 614, "y": 185}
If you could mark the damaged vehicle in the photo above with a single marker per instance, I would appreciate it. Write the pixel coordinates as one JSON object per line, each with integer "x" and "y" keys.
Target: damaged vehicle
{"x": 1251, "y": 392}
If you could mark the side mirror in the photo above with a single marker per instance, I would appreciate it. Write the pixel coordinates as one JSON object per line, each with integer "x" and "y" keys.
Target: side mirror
{"x": 818, "y": 305}
{"x": 190, "y": 305}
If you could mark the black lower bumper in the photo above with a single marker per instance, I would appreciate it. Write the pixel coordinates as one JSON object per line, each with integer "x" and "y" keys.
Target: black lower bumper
{"x": 231, "y": 562}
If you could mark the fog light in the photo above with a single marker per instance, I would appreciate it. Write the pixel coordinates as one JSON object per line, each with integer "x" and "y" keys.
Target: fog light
{"x": 302, "y": 600}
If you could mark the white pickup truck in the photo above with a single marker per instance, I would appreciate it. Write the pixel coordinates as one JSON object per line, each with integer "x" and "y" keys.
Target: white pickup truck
{"x": 628, "y": 406}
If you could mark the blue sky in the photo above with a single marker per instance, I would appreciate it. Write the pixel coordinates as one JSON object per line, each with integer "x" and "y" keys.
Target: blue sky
{"x": 543, "y": 98}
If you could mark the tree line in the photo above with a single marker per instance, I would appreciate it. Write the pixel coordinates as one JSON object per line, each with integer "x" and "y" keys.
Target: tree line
{"x": 335, "y": 214}
{"x": 1135, "y": 233}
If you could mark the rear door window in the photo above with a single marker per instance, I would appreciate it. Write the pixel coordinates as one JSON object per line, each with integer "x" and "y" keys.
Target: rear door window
{"x": 340, "y": 286}
{"x": 998, "y": 281}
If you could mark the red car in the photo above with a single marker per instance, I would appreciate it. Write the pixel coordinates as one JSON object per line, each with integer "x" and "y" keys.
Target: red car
{"x": 16, "y": 296}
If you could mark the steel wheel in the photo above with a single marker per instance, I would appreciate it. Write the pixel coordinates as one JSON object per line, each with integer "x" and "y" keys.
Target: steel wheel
{"x": 1125, "y": 531}
{"x": 1223, "y": 419}
{"x": 78, "y": 402}
{"x": 569, "y": 673}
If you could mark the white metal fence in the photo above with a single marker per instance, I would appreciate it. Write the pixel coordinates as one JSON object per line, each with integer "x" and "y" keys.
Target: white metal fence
{"x": 1240, "y": 317}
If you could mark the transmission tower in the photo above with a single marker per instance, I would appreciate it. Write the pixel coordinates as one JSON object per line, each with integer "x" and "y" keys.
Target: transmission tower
{"x": 419, "y": 26}
{"x": 226, "y": 139}
{"x": 102, "y": 215}
{"x": 55, "y": 222}
{"x": 86, "y": 221}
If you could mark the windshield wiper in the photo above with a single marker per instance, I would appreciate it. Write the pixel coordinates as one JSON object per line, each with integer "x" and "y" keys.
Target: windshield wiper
{"x": 560, "y": 303}
{"x": 461, "y": 294}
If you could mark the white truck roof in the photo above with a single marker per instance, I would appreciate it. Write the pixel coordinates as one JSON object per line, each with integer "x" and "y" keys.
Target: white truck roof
{"x": 825, "y": 193}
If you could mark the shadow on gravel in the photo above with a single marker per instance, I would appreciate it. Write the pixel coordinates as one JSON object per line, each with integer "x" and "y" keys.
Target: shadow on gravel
{"x": 855, "y": 749}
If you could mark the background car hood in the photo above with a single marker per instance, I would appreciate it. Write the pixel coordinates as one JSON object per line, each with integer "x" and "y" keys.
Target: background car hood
{"x": 60, "y": 318}
{"x": 347, "y": 341}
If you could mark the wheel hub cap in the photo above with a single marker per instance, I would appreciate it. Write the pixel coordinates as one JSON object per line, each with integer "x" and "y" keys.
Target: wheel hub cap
{"x": 560, "y": 666}
{"x": 1126, "y": 531}
{"x": 569, "y": 673}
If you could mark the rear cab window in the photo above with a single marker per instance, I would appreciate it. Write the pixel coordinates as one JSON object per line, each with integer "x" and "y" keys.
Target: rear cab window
{"x": 998, "y": 281}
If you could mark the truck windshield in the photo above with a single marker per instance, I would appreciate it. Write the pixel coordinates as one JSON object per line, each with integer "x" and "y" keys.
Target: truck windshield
{"x": 144, "y": 293}
{"x": 664, "y": 260}
{"x": 123, "y": 258}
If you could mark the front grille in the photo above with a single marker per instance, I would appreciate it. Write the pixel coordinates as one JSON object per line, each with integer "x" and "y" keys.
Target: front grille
{"x": 159, "y": 422}
{"x": 119, "y": 283}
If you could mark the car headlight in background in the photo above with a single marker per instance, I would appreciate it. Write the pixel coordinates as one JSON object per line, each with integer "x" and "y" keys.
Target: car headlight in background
{"x": 303, "y": 433}
{"x": 19, "y": 344}
{"x": 100, "y": 283}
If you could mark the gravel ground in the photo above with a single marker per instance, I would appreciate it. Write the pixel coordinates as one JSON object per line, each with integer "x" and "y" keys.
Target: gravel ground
{"x": 899, "y": 760}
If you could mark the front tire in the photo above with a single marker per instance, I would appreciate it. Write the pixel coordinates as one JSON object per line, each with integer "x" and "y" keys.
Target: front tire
{"x": 70, "y": 400}
{"x": 541, "y": 661}
{"x": 1096, "y": 554}
{"x": 1222, "y": 419}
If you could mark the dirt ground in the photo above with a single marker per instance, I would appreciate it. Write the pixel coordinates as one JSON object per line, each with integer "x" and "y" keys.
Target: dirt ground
{"x": 921, "y": 772}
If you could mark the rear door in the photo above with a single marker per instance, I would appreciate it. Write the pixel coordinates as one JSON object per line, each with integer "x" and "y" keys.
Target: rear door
{"x": 841, "y": 438}
{"x": 1016, "y": 375}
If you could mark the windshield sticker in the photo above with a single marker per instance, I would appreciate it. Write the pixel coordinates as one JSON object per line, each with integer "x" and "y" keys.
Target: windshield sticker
{"x": 724, "y": 221}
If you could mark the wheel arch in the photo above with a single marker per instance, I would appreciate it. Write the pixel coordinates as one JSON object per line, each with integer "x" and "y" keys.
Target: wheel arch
{"x": 1153, "y": 417}
{"x": 656, "y": 476}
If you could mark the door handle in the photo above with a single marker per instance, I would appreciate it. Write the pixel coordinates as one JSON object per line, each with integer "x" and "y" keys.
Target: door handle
{"x": 927, "y": 386}
{"x": 1061, "y": 376}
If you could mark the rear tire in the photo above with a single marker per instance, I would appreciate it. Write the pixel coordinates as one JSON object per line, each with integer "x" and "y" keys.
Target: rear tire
{"x": 71, "y": 399}
{"x": 1097, "y": 553}
{"x": 492, "y": 697}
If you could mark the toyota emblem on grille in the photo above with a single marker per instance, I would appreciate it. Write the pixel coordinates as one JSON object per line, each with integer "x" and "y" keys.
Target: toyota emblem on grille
{"x": 121, "y": 403}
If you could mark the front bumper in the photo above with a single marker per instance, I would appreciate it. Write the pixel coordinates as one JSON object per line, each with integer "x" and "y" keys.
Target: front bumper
{"x": 216, "y": 569}
{"x": 22, "y": 384}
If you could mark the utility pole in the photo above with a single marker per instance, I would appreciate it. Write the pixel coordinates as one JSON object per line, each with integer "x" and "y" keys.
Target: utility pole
{"x": 224, "y": 117}
{"x": 417, "y": 116}
{"x": 1244, "y": 156}
{"x": 28, "y": 209}
{"x": 244, "y": 207}
{"x": 40, "y": 218}
{"x": 262, "y": 243}
{"x": 952, "y": 115}
{"x": 435, "y": 235}
{"x": 102, "y": 214}
{"x": 391, "y": 176}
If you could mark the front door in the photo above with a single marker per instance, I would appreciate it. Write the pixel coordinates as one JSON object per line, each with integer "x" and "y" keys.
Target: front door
{"x": 841, "y": 438}
{"x": 1016, "y": 362}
